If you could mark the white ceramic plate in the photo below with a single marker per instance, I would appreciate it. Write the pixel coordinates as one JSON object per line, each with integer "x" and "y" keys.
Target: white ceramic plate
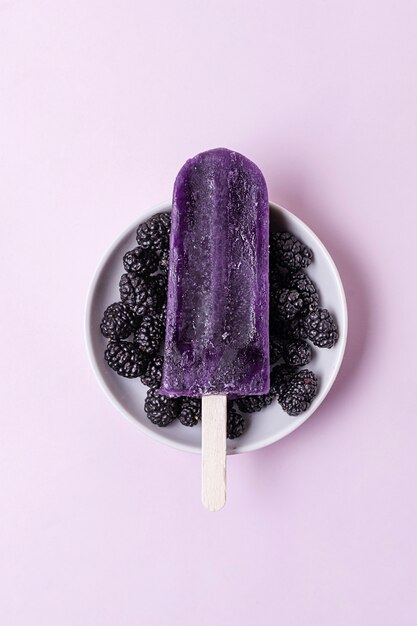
{"x": 271, "y": 423}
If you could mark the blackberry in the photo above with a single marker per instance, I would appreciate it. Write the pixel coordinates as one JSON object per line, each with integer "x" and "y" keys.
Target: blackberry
{"x": 288, "y": 303}
{"x": 125, "y": 359}
{"x": 281, "y": 375}
{"x": 118, "y": 321}
{"x": 143, "y": 296}
{"x": 299, "y": 393}
{"x": 297, "y": 353}
{"x": 142, "y": 261}
{"x": 303, "y": 383}
{"x": 190, "y": 411}
{"x": 307, "y": 290}
{"x": 160, "y": 410}
{"x": 275, "y": 349}
{"x": 154, "y": 233}
{"x": 149, "y": 334}
{"x": 152, "y": 375}
{"x": 236, "y": 423}
{"x": 294, "y": 404}
{"x": 252, "y": 404}
{"x": 320, "y": 327}
{"x": 288, "y": 251}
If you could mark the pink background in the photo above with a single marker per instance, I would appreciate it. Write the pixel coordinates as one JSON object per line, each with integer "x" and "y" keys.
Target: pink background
{"x": 101, "y": 102}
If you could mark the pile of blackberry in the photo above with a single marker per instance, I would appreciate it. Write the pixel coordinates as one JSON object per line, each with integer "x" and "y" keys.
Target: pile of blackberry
{"x": 135, "y": 328}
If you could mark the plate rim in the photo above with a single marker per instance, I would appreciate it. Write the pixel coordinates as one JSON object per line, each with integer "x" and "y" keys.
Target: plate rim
{"x": 240, "y": 448}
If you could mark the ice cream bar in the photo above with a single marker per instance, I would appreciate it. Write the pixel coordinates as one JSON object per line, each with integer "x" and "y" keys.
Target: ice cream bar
{"x": 217, "y": 338}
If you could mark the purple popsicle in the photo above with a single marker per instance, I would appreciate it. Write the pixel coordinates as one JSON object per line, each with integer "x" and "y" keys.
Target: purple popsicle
{"x": 217, "y": 339}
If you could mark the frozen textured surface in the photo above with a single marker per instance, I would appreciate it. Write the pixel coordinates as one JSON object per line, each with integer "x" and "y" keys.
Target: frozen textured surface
{"x": 217, "y": 319}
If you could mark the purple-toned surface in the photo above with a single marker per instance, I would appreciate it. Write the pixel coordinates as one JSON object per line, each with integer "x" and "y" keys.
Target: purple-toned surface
{"x": 100, "y": 102}
{"x": 217, "y": 337}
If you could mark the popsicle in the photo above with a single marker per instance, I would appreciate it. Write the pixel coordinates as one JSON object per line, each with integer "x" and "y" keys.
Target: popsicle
{"x": 217, "y": 340}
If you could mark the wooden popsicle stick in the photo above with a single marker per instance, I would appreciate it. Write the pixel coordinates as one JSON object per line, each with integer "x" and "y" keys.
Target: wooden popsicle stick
{"x": 213, "y": 443}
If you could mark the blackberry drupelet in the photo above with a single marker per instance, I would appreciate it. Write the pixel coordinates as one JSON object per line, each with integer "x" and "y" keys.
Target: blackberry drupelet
{"x": 118, "y": 321}
{"x": 144, "y": 296}
{"x": 297, "y": 353}
{"x": 320, "y": 327}
{"x": 154, "y": 233}
{"x": 286, "y": 250}
{"x": 252, "y": 404}
{"x": 236, "y": 423}
{"x": 160, "y": 410}
{"x": 190, "y": 411}
{"x": 307, "y": 290}
{"x": 125, "y": 359}
{"x": 140, "y": 260}
{"x": 276, "y": 349}
{"x": 152, "y": 375}
{"x": 149, "y": 334}
{"x": 288, "y": 303}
